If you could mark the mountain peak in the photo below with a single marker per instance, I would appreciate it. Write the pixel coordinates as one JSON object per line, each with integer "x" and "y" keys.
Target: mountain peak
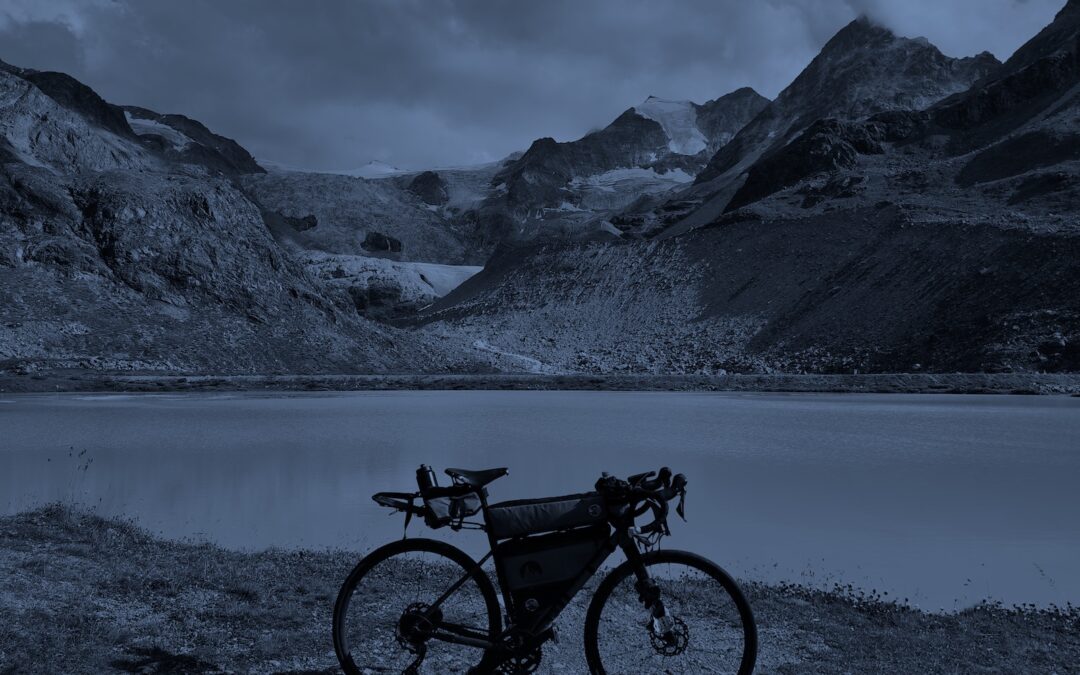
{"x": 864, "y": 69}
{"x": 744, "y": 91}
{"x": 656, "y": 100}
{"x": 862, "y": 31}
{"x": 1063, "y": 33}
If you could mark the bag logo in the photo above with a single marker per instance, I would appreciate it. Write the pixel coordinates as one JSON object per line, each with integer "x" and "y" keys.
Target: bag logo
{"x": 595, "y": 510}
{"x": 531, "y": 570}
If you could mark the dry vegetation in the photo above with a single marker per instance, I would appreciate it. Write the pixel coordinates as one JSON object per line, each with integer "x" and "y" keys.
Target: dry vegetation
{"x": 84, "y": 594}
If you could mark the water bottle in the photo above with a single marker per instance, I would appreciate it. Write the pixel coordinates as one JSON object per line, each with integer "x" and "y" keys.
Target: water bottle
{"x": 425, "y": 478}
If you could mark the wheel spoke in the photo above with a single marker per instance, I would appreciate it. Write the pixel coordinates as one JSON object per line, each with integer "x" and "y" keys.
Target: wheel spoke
{"x": 388, "y": 620}
{"x": 704, "y": 631}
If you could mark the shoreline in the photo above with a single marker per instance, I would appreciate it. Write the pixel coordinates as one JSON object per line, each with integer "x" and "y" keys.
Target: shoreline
{"x": 87, "y": 594}
{"x": 884, "y": 383}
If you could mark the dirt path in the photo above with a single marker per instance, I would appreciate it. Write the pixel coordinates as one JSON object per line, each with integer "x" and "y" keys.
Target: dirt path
{"x": 84, "y": 595}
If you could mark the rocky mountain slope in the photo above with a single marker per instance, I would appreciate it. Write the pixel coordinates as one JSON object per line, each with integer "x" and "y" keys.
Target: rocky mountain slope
{"x": 1004, "y": 152}
{"x": 566, "y": 189}
{"x": 870, "y": 291}
{"x": 186, "y": 140}
{"x": 943, "y": 238}
{"x": 118, "y": 251}
{"x": 383, "y": 240}
{"x": 357, "y": 216}
{"x": 863, "y": 69}
{"x": 893, "y": 209}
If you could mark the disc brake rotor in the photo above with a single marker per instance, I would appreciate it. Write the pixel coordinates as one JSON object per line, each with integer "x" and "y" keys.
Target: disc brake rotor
{"x": 669, "y": 636}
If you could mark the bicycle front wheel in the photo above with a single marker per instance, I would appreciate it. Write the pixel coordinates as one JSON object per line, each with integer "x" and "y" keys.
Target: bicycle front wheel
{"x": 708, "y": 626}
{"x": 388, "y": 617}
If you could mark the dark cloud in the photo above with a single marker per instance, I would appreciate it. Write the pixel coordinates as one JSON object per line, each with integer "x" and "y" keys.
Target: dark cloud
{"x": 335, "y": 83}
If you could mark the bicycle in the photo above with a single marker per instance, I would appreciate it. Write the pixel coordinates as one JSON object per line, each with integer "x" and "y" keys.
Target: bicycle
{"x": 421, "y": 605}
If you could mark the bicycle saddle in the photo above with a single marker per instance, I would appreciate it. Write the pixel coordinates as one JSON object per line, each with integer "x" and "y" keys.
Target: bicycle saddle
{"x": 477, "y": 478}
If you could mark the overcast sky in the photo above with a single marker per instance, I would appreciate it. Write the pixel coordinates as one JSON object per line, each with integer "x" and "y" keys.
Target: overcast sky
{"x": 419, "y": 83}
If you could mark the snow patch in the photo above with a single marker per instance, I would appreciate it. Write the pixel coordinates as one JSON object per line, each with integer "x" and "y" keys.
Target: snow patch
{"x": 606, "y": 226}
{"x": 612, "y": 190}
{"x": 144, "y": 127}
{"x": 419, "y": 281}
{"x": 608, "y": 180}
{"x": 373, "y": 169}
{"x": 679, "y": 120}
{"x": 566, "y": 206}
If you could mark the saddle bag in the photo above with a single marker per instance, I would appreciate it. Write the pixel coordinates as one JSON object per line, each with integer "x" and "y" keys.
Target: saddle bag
{"x": 449, "y": 505}
{"x": 533, "y": 516}
{"x": 537, "y": 570}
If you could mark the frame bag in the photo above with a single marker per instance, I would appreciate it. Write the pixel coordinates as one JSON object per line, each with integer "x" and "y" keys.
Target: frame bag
{"x": 538, "y": 570}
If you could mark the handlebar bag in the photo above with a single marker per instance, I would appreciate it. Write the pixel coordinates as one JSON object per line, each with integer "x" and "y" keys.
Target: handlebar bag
{"x": 532, "y": 516}
{"x": 448, "y": 504}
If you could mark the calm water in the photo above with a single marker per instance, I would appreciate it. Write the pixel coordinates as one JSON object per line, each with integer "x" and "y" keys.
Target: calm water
{"x": 945, "y": 500}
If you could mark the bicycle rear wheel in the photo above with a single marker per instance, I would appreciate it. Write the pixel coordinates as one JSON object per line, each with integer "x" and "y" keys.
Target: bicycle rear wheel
{"x": 382, "y": 621}
{"x": 709, "y": 627}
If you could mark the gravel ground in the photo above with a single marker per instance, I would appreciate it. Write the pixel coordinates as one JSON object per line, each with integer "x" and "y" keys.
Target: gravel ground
{"x": 86, "y": 595}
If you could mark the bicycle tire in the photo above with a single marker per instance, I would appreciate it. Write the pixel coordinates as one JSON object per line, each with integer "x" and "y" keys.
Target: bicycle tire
{"x": 454, "y": 555}
{"x": 674, "y": 557}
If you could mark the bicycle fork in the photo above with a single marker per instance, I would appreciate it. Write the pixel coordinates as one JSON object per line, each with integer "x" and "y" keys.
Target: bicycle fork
{"x": 647, "y": 589}
{"x": 664, "y": 629}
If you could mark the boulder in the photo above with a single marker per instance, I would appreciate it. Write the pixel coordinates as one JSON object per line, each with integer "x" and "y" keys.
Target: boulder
{"x": 430, "y": 187}
{"x": 378, "y": 242}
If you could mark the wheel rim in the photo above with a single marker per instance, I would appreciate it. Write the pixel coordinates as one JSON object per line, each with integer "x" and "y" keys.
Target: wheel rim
{"x": 703, "y": 630}
{"x": 384, "y": 623}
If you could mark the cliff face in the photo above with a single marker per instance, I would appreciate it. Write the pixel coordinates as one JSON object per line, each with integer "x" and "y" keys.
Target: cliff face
{"x": 863, "y": 69}
{"x": 38, "y": 131}
{"x": 1003, "y": 151}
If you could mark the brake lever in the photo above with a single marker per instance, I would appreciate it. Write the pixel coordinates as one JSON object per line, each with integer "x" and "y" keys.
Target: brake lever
{"x": 681, "y": 507}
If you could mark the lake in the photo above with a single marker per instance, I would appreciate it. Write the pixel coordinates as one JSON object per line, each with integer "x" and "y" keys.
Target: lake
{"x": 944, "y": 500}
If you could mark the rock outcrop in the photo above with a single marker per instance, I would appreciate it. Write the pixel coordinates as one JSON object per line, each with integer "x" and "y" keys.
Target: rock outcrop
{"x": 192, "y": 142}
{"x": 429, "y": 187}
{"x": 378, "y": 242}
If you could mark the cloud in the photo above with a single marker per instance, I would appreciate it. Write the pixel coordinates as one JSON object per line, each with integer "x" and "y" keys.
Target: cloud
{"x": 70, "y": 13}
{"x": 442, "y": 82}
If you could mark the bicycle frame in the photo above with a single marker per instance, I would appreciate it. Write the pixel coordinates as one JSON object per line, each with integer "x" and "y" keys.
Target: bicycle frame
{"x": 536, "y": 632}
